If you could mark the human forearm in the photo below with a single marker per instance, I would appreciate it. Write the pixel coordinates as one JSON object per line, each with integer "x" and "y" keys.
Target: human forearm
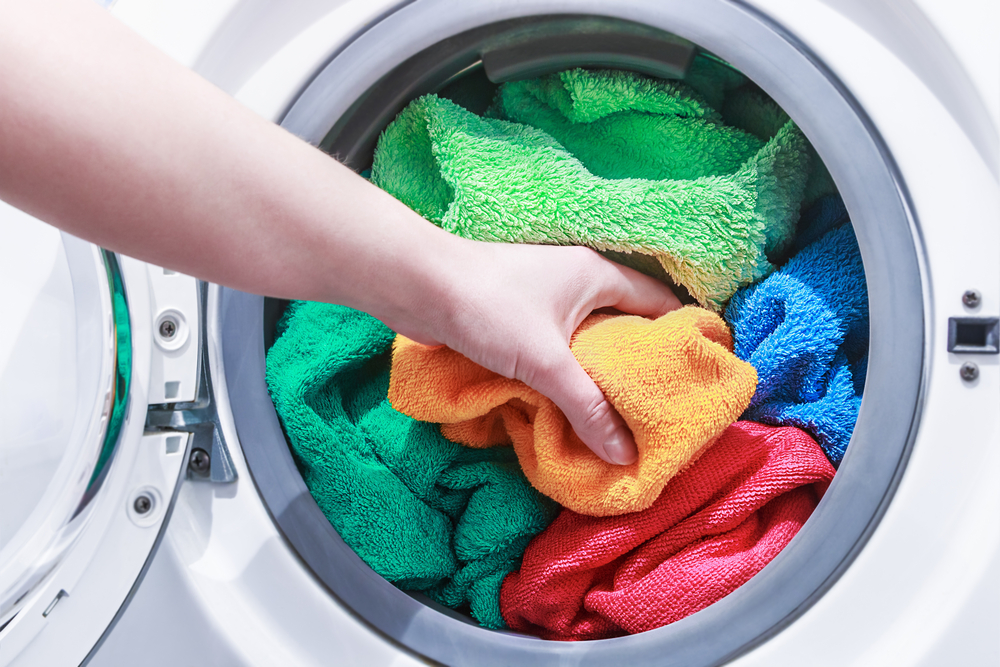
{"x": 108, "y": 138}
{"x": 103, "y": 136}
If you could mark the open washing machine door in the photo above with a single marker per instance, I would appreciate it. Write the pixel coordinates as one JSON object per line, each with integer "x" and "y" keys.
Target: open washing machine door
{"x": 100, "y": 388}
{"x": 894, "y": 567}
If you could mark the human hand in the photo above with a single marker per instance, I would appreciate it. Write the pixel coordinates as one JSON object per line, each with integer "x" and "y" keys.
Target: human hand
{"x": 191, "y": 180}
{"x": 513, "y": 308}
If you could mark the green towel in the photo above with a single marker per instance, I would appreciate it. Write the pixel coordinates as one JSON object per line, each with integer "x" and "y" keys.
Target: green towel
{"x": 682, "y": 137}
{"x": 750, "y": 109}
{"x": 747, "y": 107}
{"x": 495, "y": 180}
{"x": 425, "y": 513}
{"x": 713, "y": 79}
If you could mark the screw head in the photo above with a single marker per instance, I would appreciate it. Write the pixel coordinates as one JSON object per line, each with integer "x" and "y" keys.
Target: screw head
{"x": 168, "y": 328}
{"x": 142, "y": 504}
{"x": 969, "y": 371}
{"x": 200, "y": 461}
{"x": 972, "y": 298}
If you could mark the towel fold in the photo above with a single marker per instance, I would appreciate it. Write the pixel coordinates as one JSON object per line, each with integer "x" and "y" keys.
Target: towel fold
{"x": 819, "y": 219}
{"x": 598, "y": 116}
{"x": 423, "y": 512}
{"x": 682, "y": 137}
{"x": 714, "y": 79}
{"x": 715, "y": 525}
{"x": 709, "y": 201}
{"x": 674, "y": 381}
{"x": 805, "y": 330}
{"x": 752, "y": 110}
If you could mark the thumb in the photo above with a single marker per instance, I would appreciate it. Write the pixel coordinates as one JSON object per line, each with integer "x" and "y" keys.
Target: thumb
{"x": 590, "y": 414}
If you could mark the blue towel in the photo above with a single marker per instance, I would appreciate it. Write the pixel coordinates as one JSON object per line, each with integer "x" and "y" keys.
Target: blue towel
{"x": 805, "y": 329}
{"x": 825, "y": 215}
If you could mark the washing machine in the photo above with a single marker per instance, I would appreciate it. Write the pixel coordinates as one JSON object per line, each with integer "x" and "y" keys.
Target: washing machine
{"x": 151, "y": 510}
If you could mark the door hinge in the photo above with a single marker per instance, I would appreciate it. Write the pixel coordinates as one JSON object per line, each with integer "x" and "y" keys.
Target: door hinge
{"x": 209, "y": 459}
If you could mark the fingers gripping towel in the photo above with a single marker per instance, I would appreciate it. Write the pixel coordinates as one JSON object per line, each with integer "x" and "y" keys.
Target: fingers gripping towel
{"x": 423, "y": 512}
{"x": 673, "y": 380}
{"x": 805, "y": 330}
{"x": 658, "y": 174}
{"x": 716, "y": 525}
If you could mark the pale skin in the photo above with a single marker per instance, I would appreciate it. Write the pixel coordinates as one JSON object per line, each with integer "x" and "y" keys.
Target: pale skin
{"x": 104, "y": 136}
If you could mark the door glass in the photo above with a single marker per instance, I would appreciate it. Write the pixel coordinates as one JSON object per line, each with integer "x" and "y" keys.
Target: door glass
{"x": 58, "y": 369}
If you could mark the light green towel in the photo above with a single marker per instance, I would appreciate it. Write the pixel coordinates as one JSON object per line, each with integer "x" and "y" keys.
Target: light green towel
{"x": 713, "y": 79}
{"x": 682, "y": 137}
{"x": 748, "y": 108}
{"x": 494, "y": 180}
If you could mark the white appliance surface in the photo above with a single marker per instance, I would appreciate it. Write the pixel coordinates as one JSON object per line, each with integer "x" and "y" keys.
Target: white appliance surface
{"x": 224, "y": 587}
{"x": 38, "y": 358}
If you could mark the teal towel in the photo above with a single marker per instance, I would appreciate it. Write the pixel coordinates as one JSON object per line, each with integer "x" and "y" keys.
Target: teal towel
{"x": 710, "y": 221}
{"x": 425, "y": 513}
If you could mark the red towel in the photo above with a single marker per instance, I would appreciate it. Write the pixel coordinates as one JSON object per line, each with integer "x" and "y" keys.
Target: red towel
{"x": 715, "y": 525}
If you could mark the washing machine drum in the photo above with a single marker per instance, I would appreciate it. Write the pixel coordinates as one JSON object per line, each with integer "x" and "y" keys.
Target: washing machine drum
{"x": 423, "y": 47}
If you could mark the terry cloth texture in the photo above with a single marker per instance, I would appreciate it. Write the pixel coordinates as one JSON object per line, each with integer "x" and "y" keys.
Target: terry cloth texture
{"x": 750, "y": 109}
{"x": 716, "y": 525}
{"x": 673, "y": 380}
{"x": 423, "y": 512}
{"x": 817, "y": 220}
{"x": 805, "y": 330}
{"x": 745, "y": 106}
{"x": 636, "y": 166}
{"x": 683, "y": 138}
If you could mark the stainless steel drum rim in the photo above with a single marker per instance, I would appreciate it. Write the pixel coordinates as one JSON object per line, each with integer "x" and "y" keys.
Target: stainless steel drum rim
{"x": 887, "y": 235}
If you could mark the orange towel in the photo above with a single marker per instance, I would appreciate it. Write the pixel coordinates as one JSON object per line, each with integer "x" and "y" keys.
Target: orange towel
{"x": 674, "y": 380}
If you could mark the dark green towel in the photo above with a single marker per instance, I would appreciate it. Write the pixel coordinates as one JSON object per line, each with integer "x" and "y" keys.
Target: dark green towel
{"x": 425, "y": 513}
{"x": 647, "y": 168}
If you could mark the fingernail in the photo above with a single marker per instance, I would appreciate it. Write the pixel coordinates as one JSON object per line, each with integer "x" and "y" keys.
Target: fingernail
{"x": 620, "y": 449}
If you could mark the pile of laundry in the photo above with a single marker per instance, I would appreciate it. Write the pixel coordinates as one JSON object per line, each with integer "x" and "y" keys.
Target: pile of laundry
{"x": 471, "y": 488}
